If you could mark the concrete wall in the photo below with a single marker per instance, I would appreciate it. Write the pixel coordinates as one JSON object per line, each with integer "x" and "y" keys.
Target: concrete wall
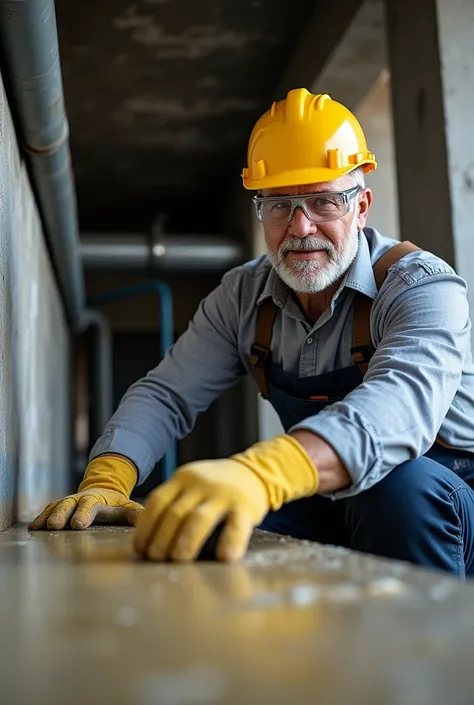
{"x": 34, "y": 349}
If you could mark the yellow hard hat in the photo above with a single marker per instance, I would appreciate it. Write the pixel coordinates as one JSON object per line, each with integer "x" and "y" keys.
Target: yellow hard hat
{"x": 305, "y": 139}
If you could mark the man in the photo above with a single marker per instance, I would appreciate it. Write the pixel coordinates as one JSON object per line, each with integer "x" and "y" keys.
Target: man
{"x": 361, "y": 345}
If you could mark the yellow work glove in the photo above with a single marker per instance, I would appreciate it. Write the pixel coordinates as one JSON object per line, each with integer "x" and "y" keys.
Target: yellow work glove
{"x": 103, "y": 498}
{"x": 181, "y": 514}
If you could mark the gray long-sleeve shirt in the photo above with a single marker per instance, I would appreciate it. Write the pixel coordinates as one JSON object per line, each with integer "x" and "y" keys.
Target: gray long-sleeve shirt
{"x": 419, "y": 385}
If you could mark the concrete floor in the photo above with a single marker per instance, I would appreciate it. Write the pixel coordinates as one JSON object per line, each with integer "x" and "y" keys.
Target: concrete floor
{"x": 82, "y": 622}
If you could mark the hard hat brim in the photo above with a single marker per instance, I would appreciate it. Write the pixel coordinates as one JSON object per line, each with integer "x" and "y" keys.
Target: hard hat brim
{"x": 301, "y": 177}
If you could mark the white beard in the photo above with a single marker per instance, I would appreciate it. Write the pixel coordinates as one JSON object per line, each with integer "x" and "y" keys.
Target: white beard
{"x": 307, "y": 276}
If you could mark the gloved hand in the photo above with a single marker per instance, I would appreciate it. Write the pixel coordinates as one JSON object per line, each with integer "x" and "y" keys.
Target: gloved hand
{"x": 103, "y": 497}
{"x": 181, "y": 514}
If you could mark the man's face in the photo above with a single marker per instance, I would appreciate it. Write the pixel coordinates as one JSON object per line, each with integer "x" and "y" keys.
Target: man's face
{"x": 310, "y": 256}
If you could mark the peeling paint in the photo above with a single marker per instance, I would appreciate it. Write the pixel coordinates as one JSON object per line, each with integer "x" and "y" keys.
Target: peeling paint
{"x": 194, "y": 42}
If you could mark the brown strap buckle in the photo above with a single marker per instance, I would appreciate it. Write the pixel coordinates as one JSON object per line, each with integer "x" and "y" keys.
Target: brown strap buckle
{"x": 259, "y": 355}
{"x": 362, "y": 353}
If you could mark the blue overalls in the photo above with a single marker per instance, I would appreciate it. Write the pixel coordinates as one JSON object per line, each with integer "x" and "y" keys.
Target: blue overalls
{"x": 422, "y": 512}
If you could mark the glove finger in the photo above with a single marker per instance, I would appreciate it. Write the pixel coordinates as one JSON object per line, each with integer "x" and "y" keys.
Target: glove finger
{"x": 235, "y": 536}
{"x": 85, "y": 513}
{"x": 40, "y": 521}
{"x": 195, "y": 529}
{"x": 104, "y": 514}
{"x": 121, "y": 515}
{"x": 166, "y": 529}
{"x": 133, "y": 510}
{"x": 159, "y": 500}
{"x": 61, "y": 514}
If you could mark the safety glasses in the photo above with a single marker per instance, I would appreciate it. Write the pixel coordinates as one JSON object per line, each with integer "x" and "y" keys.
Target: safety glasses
{"x": 318, "y": 207}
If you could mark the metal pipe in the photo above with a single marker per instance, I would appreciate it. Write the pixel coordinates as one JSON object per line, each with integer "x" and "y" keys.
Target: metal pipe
{"x": 102, "y": 373}
{"x": 206, "y": 253}
{"x": 30, "y": 54}
{"x": 165, "y": 299}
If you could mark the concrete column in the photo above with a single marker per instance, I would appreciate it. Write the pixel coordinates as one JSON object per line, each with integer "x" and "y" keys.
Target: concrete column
{"x": 431, "y": 52}
{"x": 375, "y": 115}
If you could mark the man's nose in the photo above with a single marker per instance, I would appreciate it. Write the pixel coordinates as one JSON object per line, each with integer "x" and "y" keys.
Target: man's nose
{"x": 301, "y": 225}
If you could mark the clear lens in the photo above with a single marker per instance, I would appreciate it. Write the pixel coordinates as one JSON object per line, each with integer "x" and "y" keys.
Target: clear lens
{"x": 319, "y": 207}
{"x": 333, "y": 205}
{"x": 275, "y": 211}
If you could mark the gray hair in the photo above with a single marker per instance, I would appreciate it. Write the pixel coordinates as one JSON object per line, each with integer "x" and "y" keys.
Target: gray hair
{"x": 358, "y": 177}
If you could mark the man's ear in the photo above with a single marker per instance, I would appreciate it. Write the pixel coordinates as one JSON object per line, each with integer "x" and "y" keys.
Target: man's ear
{"x": 365, "y": 201}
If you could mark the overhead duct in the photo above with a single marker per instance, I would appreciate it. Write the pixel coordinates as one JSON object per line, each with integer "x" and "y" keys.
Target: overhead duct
{"x": 30, "y": 55}
{"x": 204, "y": 253}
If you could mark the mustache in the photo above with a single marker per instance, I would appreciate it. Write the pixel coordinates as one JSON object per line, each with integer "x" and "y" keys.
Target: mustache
{"x": 306, "y": 244}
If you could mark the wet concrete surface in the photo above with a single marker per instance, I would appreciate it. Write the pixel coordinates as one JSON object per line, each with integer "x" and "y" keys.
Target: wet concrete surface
{"x": 83, "y": 622}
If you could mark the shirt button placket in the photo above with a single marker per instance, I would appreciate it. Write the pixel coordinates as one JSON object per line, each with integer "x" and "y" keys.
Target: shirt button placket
{"x": 307, "y": 356}
{"x": 314, "y": 351}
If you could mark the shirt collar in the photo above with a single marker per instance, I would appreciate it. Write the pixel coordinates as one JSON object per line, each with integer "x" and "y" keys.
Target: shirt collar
{"x": 360, "y": 276}
{"x": 274, "y": 288}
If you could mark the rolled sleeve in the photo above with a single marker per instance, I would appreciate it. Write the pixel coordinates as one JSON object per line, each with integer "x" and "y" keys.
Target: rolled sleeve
{"x": 132, "y": 445}
{"x": 421, "y": 329}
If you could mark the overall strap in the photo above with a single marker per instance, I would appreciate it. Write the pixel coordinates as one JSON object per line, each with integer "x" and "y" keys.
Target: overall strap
{"x": 362, "y": 349}
{"x": 391, "y": 256}
{"x": 260, "y": 350}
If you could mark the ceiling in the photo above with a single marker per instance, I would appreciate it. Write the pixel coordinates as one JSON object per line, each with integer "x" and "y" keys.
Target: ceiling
{"x": 161, "y": 96}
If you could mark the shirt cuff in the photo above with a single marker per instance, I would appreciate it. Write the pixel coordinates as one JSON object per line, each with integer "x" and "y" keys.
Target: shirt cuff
{"x": 355, "y": 442}
{"x": 132, "y": 446}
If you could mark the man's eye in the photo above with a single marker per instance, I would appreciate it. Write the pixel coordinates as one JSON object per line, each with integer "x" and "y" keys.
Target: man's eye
{"x": 280, "y": 205}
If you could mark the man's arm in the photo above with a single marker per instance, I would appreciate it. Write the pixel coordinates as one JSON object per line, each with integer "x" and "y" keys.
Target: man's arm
{"x": 421, "y": 326}
{"x": 333, "y": 476}
{"x": 163, "y": 406}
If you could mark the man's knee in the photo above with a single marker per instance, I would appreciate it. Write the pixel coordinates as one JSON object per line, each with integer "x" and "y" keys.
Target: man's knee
{"x": 406, "y": 505}
{"x": 407, "y": 485}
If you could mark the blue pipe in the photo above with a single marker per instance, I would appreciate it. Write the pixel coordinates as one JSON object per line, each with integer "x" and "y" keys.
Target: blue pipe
{"x": 165, "y": 299}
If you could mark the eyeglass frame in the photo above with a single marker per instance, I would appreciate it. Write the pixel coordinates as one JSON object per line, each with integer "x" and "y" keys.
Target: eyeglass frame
{"x": 298, "y": 202}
